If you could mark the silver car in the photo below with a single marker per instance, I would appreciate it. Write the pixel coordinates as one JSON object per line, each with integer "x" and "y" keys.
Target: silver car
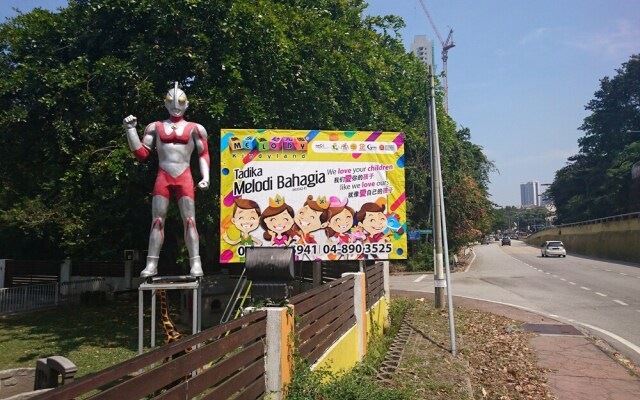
{"x": 553, "y": 248}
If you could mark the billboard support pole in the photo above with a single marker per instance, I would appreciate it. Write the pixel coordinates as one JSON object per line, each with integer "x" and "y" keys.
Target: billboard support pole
{"x": 317, "y": 273}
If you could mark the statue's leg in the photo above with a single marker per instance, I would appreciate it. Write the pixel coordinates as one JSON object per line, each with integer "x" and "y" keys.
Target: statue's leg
{"x": 191, "y": 238}
{"x": 159, "y": 206}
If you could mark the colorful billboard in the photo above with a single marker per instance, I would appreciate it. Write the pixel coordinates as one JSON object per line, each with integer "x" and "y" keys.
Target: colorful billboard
{"x": 331, "y": 195}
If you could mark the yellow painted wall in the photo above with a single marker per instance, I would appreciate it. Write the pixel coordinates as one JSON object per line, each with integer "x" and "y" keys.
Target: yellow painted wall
{"x": 615, "y": 240}
{"x": 378, "y": 318}
{"x": 343, "y": 355}
{"x": 287, "y": 344}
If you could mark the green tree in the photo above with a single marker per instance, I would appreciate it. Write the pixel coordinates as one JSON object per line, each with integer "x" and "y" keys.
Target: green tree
{"x": 67, "y": 78}
{"x": 596, "y": 182}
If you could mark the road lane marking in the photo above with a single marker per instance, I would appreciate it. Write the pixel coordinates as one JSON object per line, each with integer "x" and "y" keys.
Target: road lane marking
{"x": 571, "y": 283}
{"x": 548, "y": 273}
{"x": 613, "y": 336}
{"x": 555, "y": 276}
{"x": 601, "y": 294}
{"x": 622, "y": 303}
{"x": 585, "y": 288}
{"x": 608, "y": 270}
{"x": 622, "y": 273}
{"x": 420, "y": 278}
{"x": 563, "y": 280}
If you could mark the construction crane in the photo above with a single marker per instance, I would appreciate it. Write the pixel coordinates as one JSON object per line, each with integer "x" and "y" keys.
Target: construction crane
{"x": 446, "y": 45}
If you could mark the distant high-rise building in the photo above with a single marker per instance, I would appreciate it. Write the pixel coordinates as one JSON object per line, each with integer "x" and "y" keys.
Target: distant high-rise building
{"x": 530, "y": 194}
{"x": 423, "y": 49}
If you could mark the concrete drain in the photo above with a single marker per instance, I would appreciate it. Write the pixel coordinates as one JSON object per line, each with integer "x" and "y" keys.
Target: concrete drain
{"x": 394, "y": 354}
{"x": 552, "y": 329}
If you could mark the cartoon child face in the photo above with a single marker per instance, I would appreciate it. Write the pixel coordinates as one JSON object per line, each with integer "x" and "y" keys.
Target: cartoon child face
{"x": 374, "y": 222}
{"x": 308, "y": 220}
{"x": 279, "y": 223}
{"x": 246, "y": 220}
{"x": 341, "y": 222}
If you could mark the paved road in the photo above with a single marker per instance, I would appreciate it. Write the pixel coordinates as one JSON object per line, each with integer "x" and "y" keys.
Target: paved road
{"x": 603, "y": 297}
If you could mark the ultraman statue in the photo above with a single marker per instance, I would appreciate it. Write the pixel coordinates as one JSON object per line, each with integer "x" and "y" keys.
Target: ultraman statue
{"x": 174, "y": 140}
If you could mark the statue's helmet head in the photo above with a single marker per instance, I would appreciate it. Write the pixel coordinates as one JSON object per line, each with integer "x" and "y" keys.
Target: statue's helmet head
{"x": 176, "y": 101}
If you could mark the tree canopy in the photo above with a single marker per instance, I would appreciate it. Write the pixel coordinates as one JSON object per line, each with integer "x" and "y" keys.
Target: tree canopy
{"x": 596, "y": 182}
{"x": 71, "y": 188}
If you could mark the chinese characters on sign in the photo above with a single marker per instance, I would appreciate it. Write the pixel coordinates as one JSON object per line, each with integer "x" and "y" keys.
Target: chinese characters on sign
{"x": 331, "y": 195}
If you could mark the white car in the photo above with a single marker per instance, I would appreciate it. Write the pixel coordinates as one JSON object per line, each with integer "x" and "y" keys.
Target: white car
{"x": 553, "y": 248}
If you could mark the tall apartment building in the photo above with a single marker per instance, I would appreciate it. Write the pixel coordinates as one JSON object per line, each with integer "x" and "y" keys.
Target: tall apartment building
{"x": 423, "y": 49}
{"x": 530, "y": 194}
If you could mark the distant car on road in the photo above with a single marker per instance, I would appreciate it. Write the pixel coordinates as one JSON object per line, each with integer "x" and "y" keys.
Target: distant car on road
{"x": 506, "y": 241}
{"x": 553, "y": 248}
{"x": 485, "y": 240}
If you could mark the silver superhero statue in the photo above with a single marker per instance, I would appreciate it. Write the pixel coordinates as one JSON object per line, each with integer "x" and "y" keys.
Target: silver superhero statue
{"x": 174, "y": 140}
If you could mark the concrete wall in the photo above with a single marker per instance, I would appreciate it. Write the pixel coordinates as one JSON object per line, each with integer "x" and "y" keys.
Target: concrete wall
{"x": 18, "y": 383}
{"x": 343, "y": 354}
{"x": 615, "y": 239}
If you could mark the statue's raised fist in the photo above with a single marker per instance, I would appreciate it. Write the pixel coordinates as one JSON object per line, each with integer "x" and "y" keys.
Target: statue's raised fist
{"x": 130, "y": 122}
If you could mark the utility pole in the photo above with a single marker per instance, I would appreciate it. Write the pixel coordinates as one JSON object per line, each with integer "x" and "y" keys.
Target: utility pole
{"x": 439, "y": 220}
{"x": 436, "y": 186}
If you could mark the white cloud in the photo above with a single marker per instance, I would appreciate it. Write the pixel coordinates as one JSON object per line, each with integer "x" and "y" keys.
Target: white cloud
{"x": 616, "y": 38}
{"x": 535, "y": 35}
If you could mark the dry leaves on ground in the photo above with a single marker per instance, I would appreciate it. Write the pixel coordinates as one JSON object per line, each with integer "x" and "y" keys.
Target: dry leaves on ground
{"x": 500, "y": 360}
{"x": 494, "y": 360}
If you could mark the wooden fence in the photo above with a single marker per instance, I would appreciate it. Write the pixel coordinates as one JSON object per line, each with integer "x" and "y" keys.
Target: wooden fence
{"x": 234, "y": 351}
{"x": 30, "y": 272}
{"x": 375, "y": 284}
{"x": 325, "y": 313}
{"x": 97, "y": 268}
{"x": 250, "y": 357}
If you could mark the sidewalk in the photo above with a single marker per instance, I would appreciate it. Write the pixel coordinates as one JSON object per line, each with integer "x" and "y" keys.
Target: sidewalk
{"x": 580, "y": 367}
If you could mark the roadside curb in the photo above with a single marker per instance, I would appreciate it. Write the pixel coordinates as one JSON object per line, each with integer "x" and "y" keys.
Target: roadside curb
{"x": 473, "y": 258}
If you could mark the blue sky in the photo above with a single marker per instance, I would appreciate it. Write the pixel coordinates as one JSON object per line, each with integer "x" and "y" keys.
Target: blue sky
{"x": 520, "y": 75}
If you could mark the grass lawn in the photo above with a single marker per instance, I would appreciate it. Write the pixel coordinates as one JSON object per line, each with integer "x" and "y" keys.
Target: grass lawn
{"x": 92, "y": 337}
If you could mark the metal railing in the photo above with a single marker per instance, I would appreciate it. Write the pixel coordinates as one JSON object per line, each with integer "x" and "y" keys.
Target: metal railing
{"x": 33, "y": 297}
{"x": 619, "y": 217}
